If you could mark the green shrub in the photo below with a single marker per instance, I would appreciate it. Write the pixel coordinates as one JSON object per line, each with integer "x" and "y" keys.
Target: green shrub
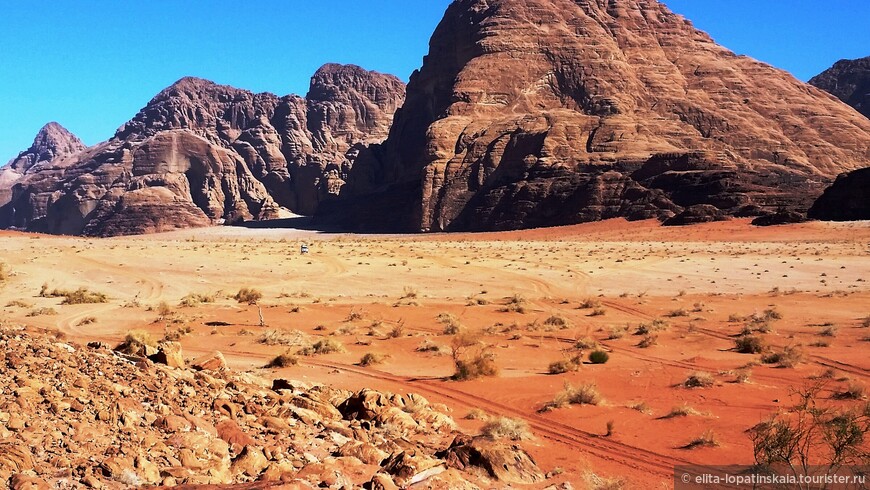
{"x": 599, "y": 357}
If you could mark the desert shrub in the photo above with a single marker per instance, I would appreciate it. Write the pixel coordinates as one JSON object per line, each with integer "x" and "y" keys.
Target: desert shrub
{"x": 397, "y": 331}
{"x": 648, "y": 341}
{"x": 771, "y": 314}
{"x": 829, "y": 331}
{"x": 598, "y": 312}
{"x": 506, "y": 428}
{"x": 476, "y": 414}
{"x": 681, "y": 411}
{"x": 370, "y": 359}
{"x": 677, "y": 313}
{"x": 699, "y": 379}
{"x": 789, "y": 357}
{"x": 283, "y": 337}
{"x": 585, "y": 394}
{"x": 472, "y": 358}
{"x": 248, "y": 295}
{"x": 353, "y": 316}
{"x": 564, "y": 365}
{"x": 195, "y": 299}
{"x": 707, "y": 439}
{"x": 865, "y": 323}
{"x": 586, "y": 343}
{"x": 590, "y": 303}
{"x": 328, "y": 346}
{"x": 557, "y": 321}
{"x": 42, "y": 311}
{"x": 615, "y": 333}
{"x": 599, "y": 357}
{"x": 17, "y": 303}
{"x": 853, "y": 391}
{"x": 811, "y": 434}
{"x": 642, "y": 407}
{"x": 515, "y": 304}
{"x": 429, "y": 346}
{"x": 4, "y": 272}
{"x": 78, "y": 297}
{"x": 750, "y": 344}
{"x": 88, "y": 320}
{"x": 742, "y": 376}
{"x": 286, "y": 359}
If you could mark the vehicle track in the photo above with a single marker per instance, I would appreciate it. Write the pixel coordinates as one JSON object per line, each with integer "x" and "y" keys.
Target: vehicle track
{"x": 623, "y": 454}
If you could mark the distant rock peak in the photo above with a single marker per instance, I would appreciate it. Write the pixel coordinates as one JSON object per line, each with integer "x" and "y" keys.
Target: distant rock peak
{"x": 849, "y": 81}
{"x": 51, "y": 142}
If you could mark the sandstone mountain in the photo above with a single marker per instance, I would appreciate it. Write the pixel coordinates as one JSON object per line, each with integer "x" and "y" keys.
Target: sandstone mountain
{"x": 201, "y": 153}
{"x": 534, "y": 113}
{"x": 849, "y": 81}
{"x": 53, "y": 142}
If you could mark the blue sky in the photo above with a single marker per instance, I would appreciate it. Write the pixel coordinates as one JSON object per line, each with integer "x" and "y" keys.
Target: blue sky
{"x": 92, "y": 64}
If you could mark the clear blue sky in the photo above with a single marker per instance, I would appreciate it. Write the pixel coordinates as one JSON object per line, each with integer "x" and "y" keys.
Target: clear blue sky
{"x": 91, "y": 65}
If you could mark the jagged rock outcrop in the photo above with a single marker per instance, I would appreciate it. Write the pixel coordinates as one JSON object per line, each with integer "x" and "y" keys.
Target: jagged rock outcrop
{"x": 201, "y": 153}
{"x": 534, "y": 113}
{"x": 847, "y": 200}
{"x": 849, "y": 81}
{"x": 52, "y": 142}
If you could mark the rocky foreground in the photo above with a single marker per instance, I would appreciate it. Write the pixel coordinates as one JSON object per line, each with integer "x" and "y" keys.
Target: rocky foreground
{"x": 73, "y": 416}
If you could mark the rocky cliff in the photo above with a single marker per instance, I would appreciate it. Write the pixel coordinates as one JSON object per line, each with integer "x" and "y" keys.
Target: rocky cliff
{"x": 849, "y": 81}
{"x": 201, "y": 153}
{"x": 534, "y": 113}
{"x": 52, "y": 142}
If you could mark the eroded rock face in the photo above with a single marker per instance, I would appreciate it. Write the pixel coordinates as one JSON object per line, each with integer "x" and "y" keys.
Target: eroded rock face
{"x": 847, "y": 200}
{"x": 549, "y": 112}
{"x": 52, "y": 142}
{"x": 849, "y": 81}
{"x": 201, "y": 153}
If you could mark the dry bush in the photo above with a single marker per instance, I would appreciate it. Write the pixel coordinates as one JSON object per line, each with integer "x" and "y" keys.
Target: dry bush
{"x": 585, "y": 394}
{"x": 283, "y": 337}
{"x": 476, "y": 414}
{"x": 590, "y": 303}
{"x": 809, "y": 435}
{"x": 354, "y": 316}
{"x": 751, "y": 344}
{"x": 682, "y": 411}
{"x": 78, "y": 297}
{"x": 615, "y": 333}
{"x": 248, "y": 295}
{"x": 371, "y": 359}
{"x": 789, "y": 357}
{"x": 699, "y": 379}
{"x": 17, "y": 303}
{"x": 324, "y": 346}
{"x": 557, "y": 321}
{"x": 397, "y": 331}
{"x": 42, "y": 311}
{"x": 506, "y": 428}
{"x": 195, "y": 299}
{"x": 88, "y": 320}
{"x": 707, "y": 439}
{"x": 515, "y": 304}
{"x": 409, "y": 293}
{"x": 4, "y": 272}
{"x": 742, "y": 376}
{"x": 677, "y": 313}
{"x": 648, "y": 341}
{"x": 472, "y": 358}
{"x": 641, "y": 407}
{"x": 429, "y": 346}
{"x": 598, "y": 312}
{"x": 450, "y": 322}
{"x": 586, "y": 343}
{"x": 865, "y": 323}
{"x": 286, "y": 359}
{"x": 853, "y": 391}
{"x": 565, "y": 365}
{"x": 829, "y": 331}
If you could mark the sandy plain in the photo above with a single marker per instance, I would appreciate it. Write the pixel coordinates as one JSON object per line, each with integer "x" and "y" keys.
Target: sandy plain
{"x": 602, "y": 281}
